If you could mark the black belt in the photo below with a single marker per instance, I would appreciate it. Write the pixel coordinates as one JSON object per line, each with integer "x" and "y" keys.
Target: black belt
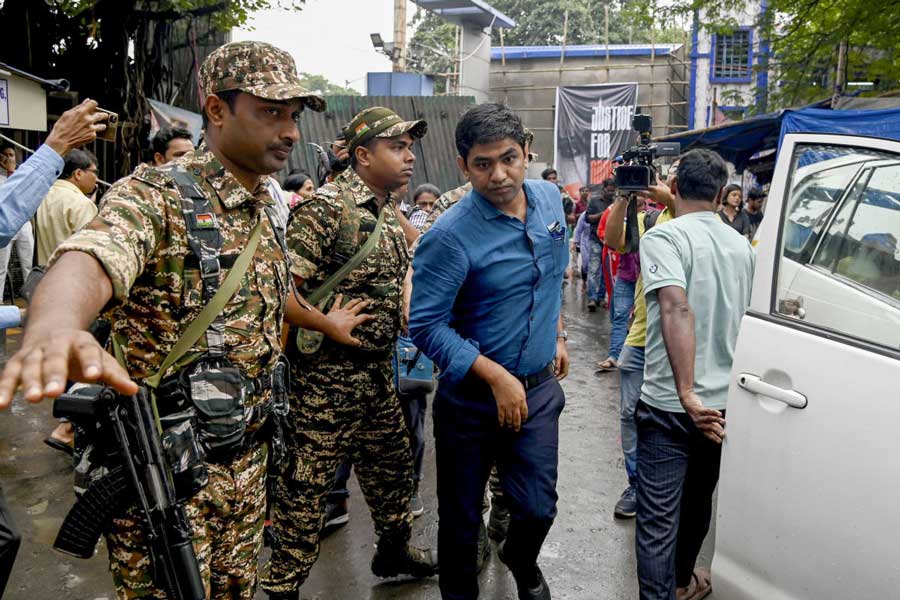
{"x": 536, "y": 379}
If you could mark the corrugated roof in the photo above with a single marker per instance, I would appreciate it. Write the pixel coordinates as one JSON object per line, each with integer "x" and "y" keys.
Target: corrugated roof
{"x": 591, "y": 50}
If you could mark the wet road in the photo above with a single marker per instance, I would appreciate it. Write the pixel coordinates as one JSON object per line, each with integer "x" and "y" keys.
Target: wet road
{"x": 587, "y": 556}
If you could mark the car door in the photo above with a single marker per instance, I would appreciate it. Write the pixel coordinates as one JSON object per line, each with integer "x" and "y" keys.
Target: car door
{"x": 809, "y": 495}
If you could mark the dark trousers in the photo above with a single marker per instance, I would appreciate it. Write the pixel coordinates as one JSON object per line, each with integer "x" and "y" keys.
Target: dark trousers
{"x": 677, "y": 472}
{"x": 9, "y": 543}
{"x": 414, "y": 407}
{"x": 468, "y": 440}
{"x": 340, "y": 491}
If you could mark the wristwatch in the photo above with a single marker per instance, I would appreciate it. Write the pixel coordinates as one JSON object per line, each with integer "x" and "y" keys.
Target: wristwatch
{"x": 562, "y": 335}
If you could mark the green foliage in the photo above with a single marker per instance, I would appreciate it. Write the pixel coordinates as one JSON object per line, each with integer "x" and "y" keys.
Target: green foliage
{"x": 226, "y": 14}
{"x": 805, "y": 36}
{"x": 321, "y": 85}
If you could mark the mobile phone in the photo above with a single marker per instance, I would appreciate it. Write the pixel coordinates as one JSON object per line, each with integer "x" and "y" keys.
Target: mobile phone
{"x": 112, "y": 126}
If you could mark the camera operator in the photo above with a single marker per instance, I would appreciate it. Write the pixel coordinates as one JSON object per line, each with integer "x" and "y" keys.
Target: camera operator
{"x": 631, "y": 359}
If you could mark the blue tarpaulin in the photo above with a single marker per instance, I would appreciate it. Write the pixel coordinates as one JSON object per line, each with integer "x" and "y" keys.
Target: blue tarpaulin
{"x": 737, "y": 142}
{"x": 874, "y": 123}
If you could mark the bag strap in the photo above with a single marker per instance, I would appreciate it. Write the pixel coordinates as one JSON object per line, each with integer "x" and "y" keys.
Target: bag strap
{"x": 213, "y": 308}
{"x": 326, "y": 288}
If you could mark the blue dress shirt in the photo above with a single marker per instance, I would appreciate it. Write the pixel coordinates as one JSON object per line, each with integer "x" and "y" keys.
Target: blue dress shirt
{"x": 487, "y": 283}
{"x": 22, "y": 193}
{"x": 10, "y": 316}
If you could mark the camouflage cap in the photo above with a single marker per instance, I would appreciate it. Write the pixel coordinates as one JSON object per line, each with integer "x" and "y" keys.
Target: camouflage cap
{"x": 381, "y": 122}
{"x": 257, "y": 68}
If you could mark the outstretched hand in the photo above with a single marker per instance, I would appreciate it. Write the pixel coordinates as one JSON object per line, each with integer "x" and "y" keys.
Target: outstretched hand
{"x": 346, "y": 318}
{"x": 45, "y": 362}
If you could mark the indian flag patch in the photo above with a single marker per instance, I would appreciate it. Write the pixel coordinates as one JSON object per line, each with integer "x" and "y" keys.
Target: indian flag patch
{"x": 206, "y": 221}
{"x": 362, "y": 128}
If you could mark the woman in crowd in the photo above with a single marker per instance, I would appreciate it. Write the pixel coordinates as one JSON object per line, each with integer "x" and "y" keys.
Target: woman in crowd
{"x": 424, "y": 198}
{"x": 300, "y": 185}
{"x": 731, "y": 212}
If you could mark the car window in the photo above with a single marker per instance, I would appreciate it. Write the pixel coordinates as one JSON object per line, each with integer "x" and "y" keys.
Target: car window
{"x": 840, "y": 264}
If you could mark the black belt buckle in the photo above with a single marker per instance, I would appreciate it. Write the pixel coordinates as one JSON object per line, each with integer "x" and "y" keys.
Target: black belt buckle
{"x": 536, "y": 379}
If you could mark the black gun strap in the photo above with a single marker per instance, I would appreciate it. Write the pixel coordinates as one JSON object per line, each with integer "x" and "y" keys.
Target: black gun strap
{"x": 205, "y": 240}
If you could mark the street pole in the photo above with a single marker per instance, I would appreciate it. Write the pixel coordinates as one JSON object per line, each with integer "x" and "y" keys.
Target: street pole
{"x": 400, "y": 35}
{"x": 840, "y": 77}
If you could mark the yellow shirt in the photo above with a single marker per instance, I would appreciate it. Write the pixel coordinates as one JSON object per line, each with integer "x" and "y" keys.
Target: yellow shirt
{"x": 637, "y": 335}
{"x": 64, "y": 211}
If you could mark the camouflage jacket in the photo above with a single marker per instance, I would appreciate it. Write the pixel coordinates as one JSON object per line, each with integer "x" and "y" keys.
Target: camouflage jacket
{"x": 139, "y": 238}
{"x": 443, "y": 203}
{"x": 327, "y": 230}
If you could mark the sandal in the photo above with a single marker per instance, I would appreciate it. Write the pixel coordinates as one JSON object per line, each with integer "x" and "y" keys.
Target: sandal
{"x": 700, "y": 586}
{"x": 609, "y": 364}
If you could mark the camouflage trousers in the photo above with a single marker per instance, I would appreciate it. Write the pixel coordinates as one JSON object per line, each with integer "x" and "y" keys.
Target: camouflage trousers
{"x": 340, "y": 408}
{"x": 226, "y": 519}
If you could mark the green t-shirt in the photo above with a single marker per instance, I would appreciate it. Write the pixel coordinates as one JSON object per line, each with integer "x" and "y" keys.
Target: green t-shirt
{"x": 713, "y": 263}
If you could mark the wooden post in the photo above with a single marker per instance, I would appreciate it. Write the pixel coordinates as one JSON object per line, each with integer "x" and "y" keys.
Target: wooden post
{"x": 606, "y": 36}
{"x": 562, "y": 55}
{"x": 840, "y": 77}
{"x": 400, "y": 34}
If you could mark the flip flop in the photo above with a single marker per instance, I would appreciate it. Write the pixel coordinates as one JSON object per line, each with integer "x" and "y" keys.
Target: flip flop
{"x": 59, "y": 445}
{"x": 608, "y": 364}
{"x": 701, "y": 581}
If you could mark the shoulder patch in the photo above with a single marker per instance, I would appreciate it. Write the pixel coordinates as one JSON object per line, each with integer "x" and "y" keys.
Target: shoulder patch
{"x": 155, "y": 176}
{"x": 329, "y": 190}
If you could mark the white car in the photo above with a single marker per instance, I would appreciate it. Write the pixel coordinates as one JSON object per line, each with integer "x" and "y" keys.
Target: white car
{"x": 809, "y": 496}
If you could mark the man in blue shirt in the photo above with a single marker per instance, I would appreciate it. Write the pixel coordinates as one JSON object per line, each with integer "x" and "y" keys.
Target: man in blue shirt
{"x": 22, "y": 193}
{"x": 486, "y": 309}
{"x": 20, "y": 196}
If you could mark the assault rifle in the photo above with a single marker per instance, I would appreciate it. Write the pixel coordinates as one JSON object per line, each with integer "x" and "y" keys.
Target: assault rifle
{"x": 124, "y": 434}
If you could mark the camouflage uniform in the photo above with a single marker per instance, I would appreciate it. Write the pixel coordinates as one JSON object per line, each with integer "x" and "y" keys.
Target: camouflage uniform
{"x": 140, "y": 239}
{"x": 345, "y": 403}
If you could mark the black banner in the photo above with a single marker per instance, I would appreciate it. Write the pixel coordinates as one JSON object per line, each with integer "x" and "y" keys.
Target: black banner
{"x": 593, "y": 126}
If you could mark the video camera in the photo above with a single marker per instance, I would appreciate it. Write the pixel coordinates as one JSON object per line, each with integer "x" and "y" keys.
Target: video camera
{"x": 639, "y": 173}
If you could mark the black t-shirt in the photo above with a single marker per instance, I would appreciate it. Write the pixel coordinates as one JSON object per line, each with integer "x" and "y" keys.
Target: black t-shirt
{"x": 598, "y": 205}
{"x": 755, "y": 218}
{"x": 741, "y": 222}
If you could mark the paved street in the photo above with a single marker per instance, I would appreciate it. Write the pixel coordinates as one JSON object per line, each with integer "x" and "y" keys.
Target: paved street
{"x": 588, "y": 555}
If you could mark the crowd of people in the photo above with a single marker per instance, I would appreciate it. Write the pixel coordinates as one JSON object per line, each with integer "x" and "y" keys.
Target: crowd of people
{"x": 349, "y": 285}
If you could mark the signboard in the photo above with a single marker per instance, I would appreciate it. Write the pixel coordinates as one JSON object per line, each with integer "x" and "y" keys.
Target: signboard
{"x": 593, "y": 126}
{"x": 4, "y": 102}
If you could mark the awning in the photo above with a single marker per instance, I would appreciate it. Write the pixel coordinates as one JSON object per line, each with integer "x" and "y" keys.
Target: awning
{"x": 468, "y": 12}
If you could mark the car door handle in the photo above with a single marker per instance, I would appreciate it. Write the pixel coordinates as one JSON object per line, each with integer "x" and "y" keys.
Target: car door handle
{"x": 754, "y": 384}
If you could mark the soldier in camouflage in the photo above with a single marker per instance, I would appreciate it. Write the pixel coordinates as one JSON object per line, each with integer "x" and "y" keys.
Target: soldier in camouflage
{"x": 345, "y": 403}
{"x": 132, "y": 259}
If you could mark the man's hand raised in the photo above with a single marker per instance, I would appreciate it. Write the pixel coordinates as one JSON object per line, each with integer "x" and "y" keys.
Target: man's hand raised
{"x": 77, "y": 127}
{"x": 46, "y": 362}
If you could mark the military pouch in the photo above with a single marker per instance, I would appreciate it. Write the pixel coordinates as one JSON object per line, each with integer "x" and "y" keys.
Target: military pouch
{"x": 217, "y": 395}
{"x": 183, "y": 453}
{"x": 309, "y": 342}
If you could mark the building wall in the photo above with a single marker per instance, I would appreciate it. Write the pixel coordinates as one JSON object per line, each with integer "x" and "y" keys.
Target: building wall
{"x": 528, "y": 86}
{"x": 704, "y": 91}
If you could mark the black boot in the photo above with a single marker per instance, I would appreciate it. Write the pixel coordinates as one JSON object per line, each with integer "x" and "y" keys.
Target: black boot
{"x": 391, "y": 560}
{"x": 530, "y": 581}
